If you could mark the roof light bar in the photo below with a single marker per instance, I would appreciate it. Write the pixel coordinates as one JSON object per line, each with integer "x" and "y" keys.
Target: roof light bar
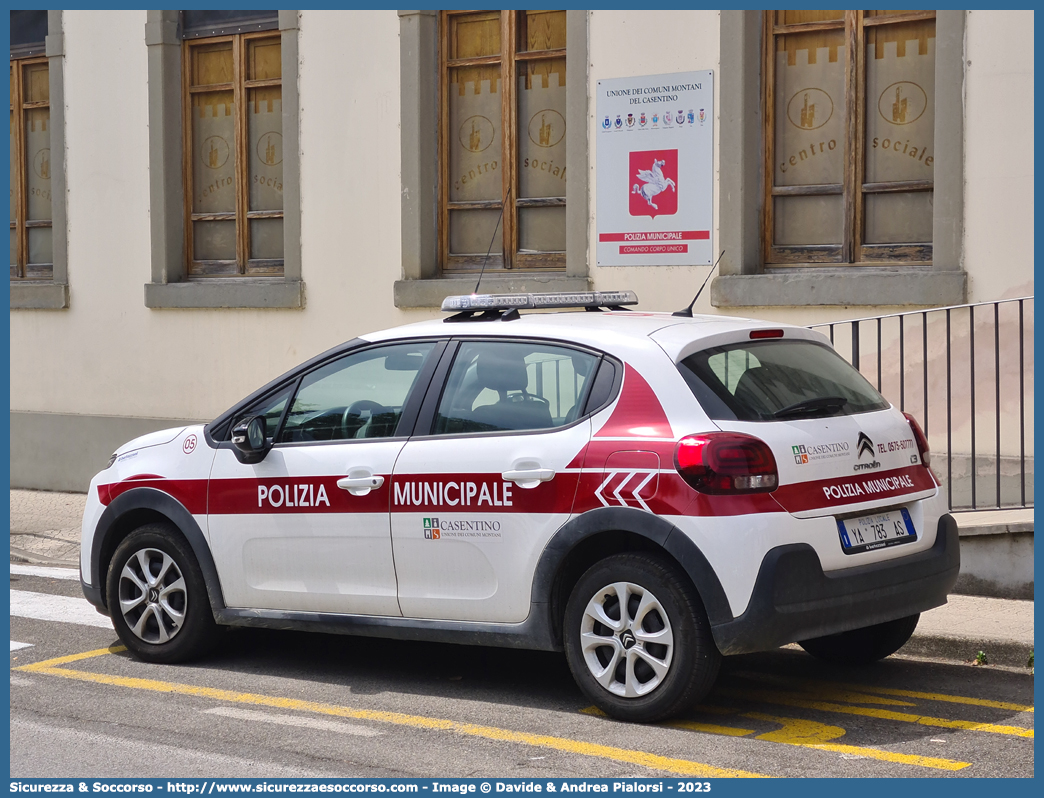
{"x": 583, "y": 299}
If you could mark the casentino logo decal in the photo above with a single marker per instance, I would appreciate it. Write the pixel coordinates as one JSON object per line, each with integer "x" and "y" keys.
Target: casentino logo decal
{"x": 865, "y": 446}
{"x": 436, "y": 529}
{"x": 803, "y": 453}
{"x": 432, "y": 530}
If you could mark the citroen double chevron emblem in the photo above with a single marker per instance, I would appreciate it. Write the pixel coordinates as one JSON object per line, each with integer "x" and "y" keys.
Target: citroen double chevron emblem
{"x": 864, "y": 444}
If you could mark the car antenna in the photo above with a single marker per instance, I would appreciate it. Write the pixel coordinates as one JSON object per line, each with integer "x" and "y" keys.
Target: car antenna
{"x": 687, "y": 313}
{"x": 483, "y": 270}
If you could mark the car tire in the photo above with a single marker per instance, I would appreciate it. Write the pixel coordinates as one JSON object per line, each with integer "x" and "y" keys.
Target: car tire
{"x": 658, "y": 659}
{"x": 157, "y": 598}
{"x": 863, "y": 646}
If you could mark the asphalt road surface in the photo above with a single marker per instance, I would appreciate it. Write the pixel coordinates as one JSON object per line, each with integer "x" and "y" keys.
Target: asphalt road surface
{"x": 287, "y": 704}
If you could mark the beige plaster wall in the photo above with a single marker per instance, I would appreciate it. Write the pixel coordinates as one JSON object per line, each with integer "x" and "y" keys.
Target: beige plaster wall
{"x": 94, "y": 356}
{"x": 998, "y": 131}
{"x": 998, "y": 238}
{"x": 685, "y": 41}
{"x": 107, "y": 354}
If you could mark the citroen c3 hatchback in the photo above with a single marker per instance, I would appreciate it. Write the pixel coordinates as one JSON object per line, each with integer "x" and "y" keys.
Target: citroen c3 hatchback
{"x": 643, "y": 491}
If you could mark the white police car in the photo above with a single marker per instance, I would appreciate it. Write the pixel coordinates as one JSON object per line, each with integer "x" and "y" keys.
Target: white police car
{"x": 646, "y": 491}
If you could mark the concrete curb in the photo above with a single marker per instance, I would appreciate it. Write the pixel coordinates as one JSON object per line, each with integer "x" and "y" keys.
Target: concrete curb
{"x": 31, "y": 558}
{"x": 1014, "y": 654}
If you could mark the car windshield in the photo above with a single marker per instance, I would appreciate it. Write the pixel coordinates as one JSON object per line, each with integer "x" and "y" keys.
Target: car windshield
{"x": 777, "y": 380}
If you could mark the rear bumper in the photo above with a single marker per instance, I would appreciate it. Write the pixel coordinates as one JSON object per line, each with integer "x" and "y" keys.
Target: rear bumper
{"x": 793, "y": 599}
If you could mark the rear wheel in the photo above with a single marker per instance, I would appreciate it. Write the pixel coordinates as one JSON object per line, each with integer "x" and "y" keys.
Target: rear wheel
{"x": 157, "y": 597}
{"x": 637, "y": 639}
{"x": 862, "y": 646}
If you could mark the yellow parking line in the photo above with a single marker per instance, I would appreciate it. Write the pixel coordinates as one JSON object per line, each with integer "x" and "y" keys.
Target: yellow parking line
{"x": 854, "y": 697}
{"x": 827, "y": 691}
{"x": 812, "y": 734}
{"x": 51, "y": 663}
{"x": 890, "y": 756}
{"x": 788, "y": 700}
{"x": 808, "y": 734}
{"x": 952, "y": 699}
{"x": 837, "y": 691}
{"x": 681, "y": 767}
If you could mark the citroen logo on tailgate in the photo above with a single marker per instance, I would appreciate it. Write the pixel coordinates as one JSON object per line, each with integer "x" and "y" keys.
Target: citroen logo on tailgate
{"x": 864, "y": 444}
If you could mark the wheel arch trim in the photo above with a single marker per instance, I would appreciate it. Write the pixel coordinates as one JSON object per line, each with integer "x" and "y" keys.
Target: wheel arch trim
{"x": 174, "y": 511}
{"x": 638, "y": 522}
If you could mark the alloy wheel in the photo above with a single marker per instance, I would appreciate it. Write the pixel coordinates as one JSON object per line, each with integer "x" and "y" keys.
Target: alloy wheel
{"x": 626, "y": 639}
{"x": 153, "y": 596}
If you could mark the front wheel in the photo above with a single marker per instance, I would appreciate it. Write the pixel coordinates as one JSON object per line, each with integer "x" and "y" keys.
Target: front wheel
{"x": 637, "y": 639}
{"x": 157, "y": 598}
{"x": 863, "y": 646}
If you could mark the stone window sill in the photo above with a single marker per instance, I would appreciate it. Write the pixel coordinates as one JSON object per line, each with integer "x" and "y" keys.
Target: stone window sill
{"x": 39, "y": 296}
{"x": 226, "y": 294}
{"x": 850, "y": 286}
{"x": 430, "y": 293}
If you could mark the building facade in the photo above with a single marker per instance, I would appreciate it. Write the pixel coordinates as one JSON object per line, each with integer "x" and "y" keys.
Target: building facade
{"x": 201, "y": 200}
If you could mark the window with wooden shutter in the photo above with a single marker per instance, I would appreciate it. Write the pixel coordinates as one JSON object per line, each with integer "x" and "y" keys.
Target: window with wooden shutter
{"x": 849, "y": 114}
{"x": 502, "y": 145}
{"x": 31, "y": 241}
{"x": 233, "y": 155}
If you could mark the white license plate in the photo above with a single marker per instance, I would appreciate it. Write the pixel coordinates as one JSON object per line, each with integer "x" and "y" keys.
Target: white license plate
{"x": 876, "y": 531}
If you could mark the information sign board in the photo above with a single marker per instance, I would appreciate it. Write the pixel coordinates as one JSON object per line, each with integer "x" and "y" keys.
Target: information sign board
{"x": 655, "y": 170}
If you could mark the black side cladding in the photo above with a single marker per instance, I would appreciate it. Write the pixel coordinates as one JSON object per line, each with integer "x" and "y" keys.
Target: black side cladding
{"x": 652, "y": 527}
{"x": 169, "y": 507}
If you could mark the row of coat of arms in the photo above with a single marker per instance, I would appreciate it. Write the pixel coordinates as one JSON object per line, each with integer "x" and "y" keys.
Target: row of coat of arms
{"x": 666, "y": 120}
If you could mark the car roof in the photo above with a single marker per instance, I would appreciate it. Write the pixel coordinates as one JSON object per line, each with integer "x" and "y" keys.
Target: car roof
{"x": 625, "y": 334}
{"x": 617, "y": 332}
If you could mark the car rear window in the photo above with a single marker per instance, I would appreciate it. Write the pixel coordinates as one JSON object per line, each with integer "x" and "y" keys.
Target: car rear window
{"x": 777, "y": 380}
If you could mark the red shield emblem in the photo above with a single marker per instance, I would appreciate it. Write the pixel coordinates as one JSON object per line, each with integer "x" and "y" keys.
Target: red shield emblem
{"x": 653, "y": 183}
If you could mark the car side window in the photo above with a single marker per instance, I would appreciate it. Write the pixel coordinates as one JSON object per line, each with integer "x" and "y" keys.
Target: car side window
{"x": 509, "y": 386}
{"x": 270, "y": 408}
{"x": 360, "y": 395}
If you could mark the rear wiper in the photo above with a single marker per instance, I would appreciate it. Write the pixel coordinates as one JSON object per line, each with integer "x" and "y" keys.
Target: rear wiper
{"x": 812, "y": 406}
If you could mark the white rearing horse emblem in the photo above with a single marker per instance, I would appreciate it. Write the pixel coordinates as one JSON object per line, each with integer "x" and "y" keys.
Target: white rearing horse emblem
{"x": 654, "y": 183}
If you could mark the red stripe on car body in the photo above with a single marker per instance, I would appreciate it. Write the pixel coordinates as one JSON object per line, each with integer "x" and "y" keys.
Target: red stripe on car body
{"x": 638, "y": 413}
{"x": 666, "y": 494}
{"x": 857, "y": 489}
{"x": 104, "y": 495}
{"x": 599, "y": 450}
{"x": 673, "y": 496}
{"x": 481, "y": 493}
{"x": 281, "y": 495}
{"x": 192, "y": 493}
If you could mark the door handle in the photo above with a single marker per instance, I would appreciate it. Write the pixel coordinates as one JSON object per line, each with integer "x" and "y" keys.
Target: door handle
{"x": 360, "y": 486}
{"x": 529, "y": 477}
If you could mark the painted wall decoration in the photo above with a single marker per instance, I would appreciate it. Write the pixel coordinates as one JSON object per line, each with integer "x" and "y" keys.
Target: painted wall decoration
{"x": 900, "y": 131}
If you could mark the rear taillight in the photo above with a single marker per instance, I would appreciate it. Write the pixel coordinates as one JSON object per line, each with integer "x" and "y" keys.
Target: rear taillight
{"x": 922, "y": 441}
{"x": 726, "y": 462}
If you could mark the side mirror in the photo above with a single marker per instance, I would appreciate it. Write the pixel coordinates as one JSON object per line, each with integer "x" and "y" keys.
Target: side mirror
{"x": 248, "y": 436}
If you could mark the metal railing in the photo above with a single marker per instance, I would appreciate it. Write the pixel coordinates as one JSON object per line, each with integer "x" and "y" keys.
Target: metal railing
{"x": 966, "y": 373}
